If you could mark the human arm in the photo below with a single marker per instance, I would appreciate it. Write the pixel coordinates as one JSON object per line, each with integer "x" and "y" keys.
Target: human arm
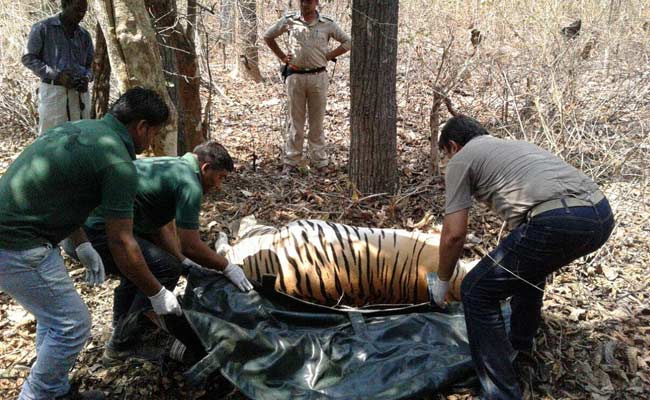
{"x": 195, "y": 249}
{"x": 89, "y": 257}
{"x": 273, "y": 45}
{"x": 166, "y": 239}
{"x": 32, "y": 58}
{"x": 128, "y": 258}
{"x": 336, "y": 52}
{"x": 454, "y": 230}
{"x": 90, "y": 54}
{"x": 270, "y": 37}
{"x": 345, "y": 43}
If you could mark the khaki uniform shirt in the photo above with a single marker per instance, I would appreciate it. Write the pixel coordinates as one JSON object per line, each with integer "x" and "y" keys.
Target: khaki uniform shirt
{"x": 309, "y": 43}
{"x": 510, "y": 177}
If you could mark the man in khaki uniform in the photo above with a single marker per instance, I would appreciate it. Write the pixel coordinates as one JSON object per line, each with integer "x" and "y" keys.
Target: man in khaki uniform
{"x": 308, "y": 54}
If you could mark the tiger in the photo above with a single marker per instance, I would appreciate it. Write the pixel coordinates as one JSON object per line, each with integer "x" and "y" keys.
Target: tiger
{"x": 334, "y": 264}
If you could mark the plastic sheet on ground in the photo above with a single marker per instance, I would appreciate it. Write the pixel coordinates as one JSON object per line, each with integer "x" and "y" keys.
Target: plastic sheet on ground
{"x": 272, "y": 346}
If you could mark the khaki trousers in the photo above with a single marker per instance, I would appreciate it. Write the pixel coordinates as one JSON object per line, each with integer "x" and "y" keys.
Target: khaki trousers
{"x": 307, "y": 95}
{"x": 52, "y": 109}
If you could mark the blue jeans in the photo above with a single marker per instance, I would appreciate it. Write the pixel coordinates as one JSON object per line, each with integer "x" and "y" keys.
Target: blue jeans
{"x": 532, "y": 251}
{"x": 38, "y": 281}
{"x": 129, "y": 303}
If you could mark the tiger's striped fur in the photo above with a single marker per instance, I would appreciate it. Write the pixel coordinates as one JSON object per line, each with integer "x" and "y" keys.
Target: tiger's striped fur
{"x": 336, "y": 264}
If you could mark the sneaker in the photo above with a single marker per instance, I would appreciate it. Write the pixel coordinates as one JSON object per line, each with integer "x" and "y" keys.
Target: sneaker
{"x": 112, "y": 357}
{"x": 74, "y": 394}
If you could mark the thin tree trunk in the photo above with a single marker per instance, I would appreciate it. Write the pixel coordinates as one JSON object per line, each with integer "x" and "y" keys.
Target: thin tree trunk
{"x": 134, "y": 60}
{"x": 102, "y": 74}
{"x": 373, "y": 113}
{"x": 165, "y": 22}
{"x": 247, "y": 63}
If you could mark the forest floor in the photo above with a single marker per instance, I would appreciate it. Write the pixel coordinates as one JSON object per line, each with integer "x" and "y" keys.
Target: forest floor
{"x": 595, "y": 339}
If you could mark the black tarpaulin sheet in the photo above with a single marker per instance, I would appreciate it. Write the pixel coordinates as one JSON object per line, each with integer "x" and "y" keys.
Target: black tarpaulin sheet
{"x": 272, "y": 346}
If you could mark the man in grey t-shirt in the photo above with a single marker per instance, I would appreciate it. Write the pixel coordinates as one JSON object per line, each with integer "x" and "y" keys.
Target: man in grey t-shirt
{"x": 556, "y": 213}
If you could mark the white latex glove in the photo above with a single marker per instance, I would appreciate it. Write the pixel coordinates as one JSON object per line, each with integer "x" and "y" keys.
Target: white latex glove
{"x": 439, "y": 291}
{"x": 89, "y": 257}
{"x": 236, "y": 275}
{"x": 165, "y": 303}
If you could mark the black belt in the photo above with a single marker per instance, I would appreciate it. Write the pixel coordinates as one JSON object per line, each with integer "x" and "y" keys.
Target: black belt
{"x": 55, "y": 82}
{"x": 568, "y": 202}
{"x": 306, "y": 71}
{"x": 287, "y": 71}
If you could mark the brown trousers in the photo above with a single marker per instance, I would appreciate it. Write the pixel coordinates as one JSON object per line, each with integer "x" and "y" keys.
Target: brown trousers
{"x": 307, "y": 95}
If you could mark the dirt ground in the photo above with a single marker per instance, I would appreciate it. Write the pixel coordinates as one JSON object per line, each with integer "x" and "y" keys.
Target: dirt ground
{"x": 594, "y": 342}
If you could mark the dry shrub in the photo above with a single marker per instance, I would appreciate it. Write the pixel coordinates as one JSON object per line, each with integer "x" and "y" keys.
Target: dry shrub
{"x": 586, "y": 99}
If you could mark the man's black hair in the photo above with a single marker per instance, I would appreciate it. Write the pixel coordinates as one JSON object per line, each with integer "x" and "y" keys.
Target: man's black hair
{"x": 461, "y": 129}
{"x": 140, "y": 104}
{"x": 215, "y": 155}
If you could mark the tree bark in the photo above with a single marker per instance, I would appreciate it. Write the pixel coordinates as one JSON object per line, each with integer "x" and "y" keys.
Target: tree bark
{"x": 247, "y": 63}
{"x": 249, "y": 59}
{"x": 189, "y": 84}
{"x": 373, "y": 112}
{"x": 164, "y": 20}
{"x": 181, "y": 68}
{"x": 135, "y": 60}
{"x": 102, "y": 74}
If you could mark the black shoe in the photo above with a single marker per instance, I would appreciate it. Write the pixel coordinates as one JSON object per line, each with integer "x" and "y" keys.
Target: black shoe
{"x": 74, "y": 394}
{"x": 528, "y": 371}
{"x": 112, "y": 357}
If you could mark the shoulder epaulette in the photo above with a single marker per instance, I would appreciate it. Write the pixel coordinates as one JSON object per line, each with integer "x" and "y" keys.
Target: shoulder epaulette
{"x": 327, "y": 17}
{"x": 292, "y": 14}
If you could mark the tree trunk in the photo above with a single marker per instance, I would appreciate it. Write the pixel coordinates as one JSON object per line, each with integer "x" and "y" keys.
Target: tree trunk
{"x": 163, "y": 16}
{"x": 181, "y": 68}
{"x": 373, "y": 112}
{"x": 189, "y": 84}
{"x": 136, "y": 62}
{"x": 102, "y": 74}
{"x": 247, "y": 63}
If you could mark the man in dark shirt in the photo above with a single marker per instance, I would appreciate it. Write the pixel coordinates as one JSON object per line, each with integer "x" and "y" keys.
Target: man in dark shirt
{"x": 60, "y": 53}
{"x": 46, "y": 195}
{"x": 167, "y": 201}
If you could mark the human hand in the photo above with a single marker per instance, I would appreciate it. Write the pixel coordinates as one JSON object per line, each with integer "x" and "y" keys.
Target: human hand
{"x": 65, "y": 79}
{"x": 95, "y": 274}
{"x": 288, "y": 58}
{"x": 80, "y": 83}
{"x": 164, "y": 302}
{"x": 236, "y": 275}
{"x": 439, "y": 290}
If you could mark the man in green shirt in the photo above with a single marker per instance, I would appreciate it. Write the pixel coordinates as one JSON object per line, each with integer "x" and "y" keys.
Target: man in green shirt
{"x": 45, "y": 196}
{"x": 169, "y": 195}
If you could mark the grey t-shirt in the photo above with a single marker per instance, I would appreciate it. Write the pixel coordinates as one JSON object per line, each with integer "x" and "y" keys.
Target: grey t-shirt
{"x": 510, "y": 177}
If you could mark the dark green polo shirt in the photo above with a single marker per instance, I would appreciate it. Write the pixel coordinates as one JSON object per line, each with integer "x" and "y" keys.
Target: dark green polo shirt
{"x": 168, "y": 188}
{"x": 51, "y": 188}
